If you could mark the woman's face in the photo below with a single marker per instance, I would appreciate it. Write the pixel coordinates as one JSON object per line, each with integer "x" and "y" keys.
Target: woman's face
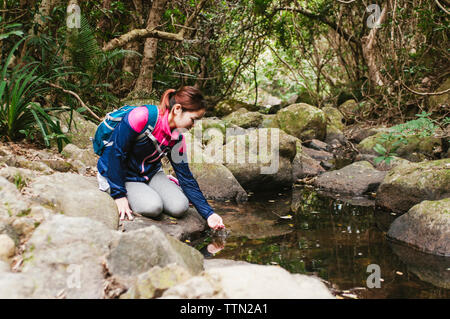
{"x": 185, "y": 119}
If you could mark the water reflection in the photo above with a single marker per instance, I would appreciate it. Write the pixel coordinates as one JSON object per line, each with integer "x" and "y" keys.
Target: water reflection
{"x": 306, "y": 232}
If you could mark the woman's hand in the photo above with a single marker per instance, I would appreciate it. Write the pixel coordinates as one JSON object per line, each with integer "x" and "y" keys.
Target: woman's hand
{"x": 215, "y": 222}
{"x": 125, "y": 211}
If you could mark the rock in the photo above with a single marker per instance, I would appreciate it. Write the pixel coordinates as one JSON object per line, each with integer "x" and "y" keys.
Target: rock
{"x": 334, "y": 134}
{"x": 138, "y": 251}
{"x": 244, "y": 118}
{"x": 269, "y": 121}
{"x": 186, "y": 227}
{"x": 356, "y": 179}
{"x": 408, "y": 184}
{"x": 218, "y": 263}
{"x": 438, "y": 102}
{"x": 425, "y": 226}
{"x": 75, "y": 195}
{"x": 81, "y": 159}
{"x": 7, "y": 247}
{"x": 7, "y": 229}
{"x": 351, "y": 109}
{"x": 427, "y": 267}
{"x": 357, "y": 134}
{"x": 12, "y": 202}
{"x": 250, "y": 282}
{"x": 303, "y": 121}
{"x": 21, "y": 176}
{"x": 416, "y": 150}
{"x": 318, "y": 155}
{"x": 334, "y": 117}
{"x": 22, "y": 162}
{"x": 208, "y": 175}
{"x": 59, "y": 165}
{"x": 79, "y": 130}
{"x": 16, "y": 286}
{"x": 64, "y": 257}
{"x": 381, "y": 166}
{"x": 4, "y": 267}
{"x": 24, "y": 226}
{"x": 318, "y": 145}
{"x": 226, "y": 107}
{"x": 305, "y": 166}
{"x": 154, "y": 282}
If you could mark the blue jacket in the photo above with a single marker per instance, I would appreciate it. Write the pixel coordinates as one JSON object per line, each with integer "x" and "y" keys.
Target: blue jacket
{"x": 130, "y": 159}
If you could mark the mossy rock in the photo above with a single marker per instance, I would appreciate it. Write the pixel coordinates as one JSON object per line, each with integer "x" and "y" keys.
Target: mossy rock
{"x": 417, "y": 149}
{"x": 303, "y": 121}
{"x": 243, "y": 118}
{"x": 408, "y": 184}
{"x": 334, "y": 117}
{"x": 426, "y": 226}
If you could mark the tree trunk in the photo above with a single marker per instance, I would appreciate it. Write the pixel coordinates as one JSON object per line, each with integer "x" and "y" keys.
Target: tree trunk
{"x": 143, "y": 86}
{"x": 368, "y": 48}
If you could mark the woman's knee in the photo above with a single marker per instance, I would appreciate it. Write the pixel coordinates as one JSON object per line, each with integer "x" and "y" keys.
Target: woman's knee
{"x": 177, "y": 206}
{"x": 143, "y": 200}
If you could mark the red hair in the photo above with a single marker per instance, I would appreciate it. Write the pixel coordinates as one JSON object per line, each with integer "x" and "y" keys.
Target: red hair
{"x": 189, "y": 97}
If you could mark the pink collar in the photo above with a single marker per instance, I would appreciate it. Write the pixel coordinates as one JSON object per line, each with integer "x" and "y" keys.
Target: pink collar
{"x": 165, "y": 127}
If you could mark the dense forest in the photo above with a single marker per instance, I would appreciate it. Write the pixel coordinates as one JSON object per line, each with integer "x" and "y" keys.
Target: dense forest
{"x": 391, "y": 57}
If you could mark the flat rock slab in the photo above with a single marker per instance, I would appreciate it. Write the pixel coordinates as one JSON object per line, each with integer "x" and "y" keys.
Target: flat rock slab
{"x": 75, "y": 195}
{"x": 182, "y": 228}
{"x": 355, "y": 179}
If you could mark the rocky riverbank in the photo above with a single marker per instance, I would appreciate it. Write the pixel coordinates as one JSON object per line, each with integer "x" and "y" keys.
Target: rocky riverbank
{"x": 60, "y": 237}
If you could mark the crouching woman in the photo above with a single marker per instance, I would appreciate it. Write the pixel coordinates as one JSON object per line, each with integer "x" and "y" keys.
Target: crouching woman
{"x": 130, "y": 167}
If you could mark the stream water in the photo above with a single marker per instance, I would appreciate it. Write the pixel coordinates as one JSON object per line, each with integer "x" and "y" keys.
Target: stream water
{"x": 307, "y": 232}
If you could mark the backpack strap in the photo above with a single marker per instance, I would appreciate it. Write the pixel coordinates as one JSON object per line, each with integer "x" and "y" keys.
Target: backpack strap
{"x": 151, "y": 123}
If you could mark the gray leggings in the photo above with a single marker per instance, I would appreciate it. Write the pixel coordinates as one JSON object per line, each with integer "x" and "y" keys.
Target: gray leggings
{"x": 160, "y": 194}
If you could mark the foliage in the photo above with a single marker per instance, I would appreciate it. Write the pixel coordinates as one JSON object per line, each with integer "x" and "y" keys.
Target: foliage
{"x": 388, "y": 143}
{"x": 19, "y": 114}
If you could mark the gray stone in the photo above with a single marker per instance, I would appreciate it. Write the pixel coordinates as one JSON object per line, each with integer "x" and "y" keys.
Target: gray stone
{"x": 138, "y": 251}
{"x": 356, "y": 179}
{"x": 185, "y": 227}
{"x": 250, "y": 282}
{"x": 75, "y": 195}
{"x": 411, "y": 183}
{"x": 78, "y": 129}
{"x": 425, "y": 226}
{"x": 64, "y": 257}
{"x": 16, "y": 286}
{"x": 244, "y": 118}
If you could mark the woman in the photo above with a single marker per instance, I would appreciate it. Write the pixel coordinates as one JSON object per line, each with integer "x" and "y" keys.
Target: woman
{"x": 130, "y": 168}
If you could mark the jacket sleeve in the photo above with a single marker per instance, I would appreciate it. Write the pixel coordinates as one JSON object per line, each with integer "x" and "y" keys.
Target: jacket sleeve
{"x": 178, "y": 159}
{"x": 122, "y": 138}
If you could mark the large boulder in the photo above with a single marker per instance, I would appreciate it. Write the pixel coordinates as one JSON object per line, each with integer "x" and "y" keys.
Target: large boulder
{"x": 269, "y": 121}
{"x": 411, "y": 183}
{"x": 64, "y": 257}
{"x": 80, "y": 159}
{"x": 334, "y": 117}
{"x": 255, "y": 168}
{"x": 417, "y": 148}
{"x": 244, "y": 118}
{"x": 425, "y": 226}
{"x": 78, "y": 129}
{"x": 208, "y": 175}
{"x": 138, "y": 251}
{"x": 355, "y": 179}
{"x": 303, "y": 121}
{"x": 250, "y": 282}
{"x": 75, "y": 195}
